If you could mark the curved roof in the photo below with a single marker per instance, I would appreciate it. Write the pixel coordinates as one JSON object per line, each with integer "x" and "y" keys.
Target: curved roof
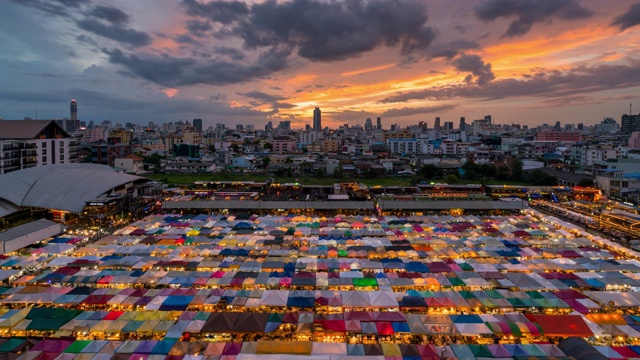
{"x": 63, "y": 186}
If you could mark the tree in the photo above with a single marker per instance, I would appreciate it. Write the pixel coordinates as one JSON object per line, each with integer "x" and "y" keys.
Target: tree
{"x": 487, "y": 171}
{"x": 268, "y": 146}
{"x": 235, "y": 148}
{"x": 319, "y": 172}
{"x": 265, "y": 161}
{"x": 471, "y": 175}
{"x": 586, "y": 182}
{"x": 451, "y": 179}
{"x": 429, "y": 172}
{"x": 338, "y": 173}
{"x": 540, "y": 178}
{"x": 306, "y": 167}
{"x": 502, "y": 173}
{"x": 516, "y": 170}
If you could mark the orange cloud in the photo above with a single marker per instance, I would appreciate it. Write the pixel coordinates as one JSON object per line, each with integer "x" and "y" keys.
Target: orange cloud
{"x": 301, "y": 79}
{"x": 170, "y": 92}
{"x": 368, "y": 70}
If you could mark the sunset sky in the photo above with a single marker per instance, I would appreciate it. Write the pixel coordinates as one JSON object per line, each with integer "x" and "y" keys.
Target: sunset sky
{"x": 522, "y": 61}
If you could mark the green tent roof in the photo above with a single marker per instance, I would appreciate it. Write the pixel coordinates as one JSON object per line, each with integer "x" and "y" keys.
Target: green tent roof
{"x": 77, "y": 346}
{"x": 364, "y": 282}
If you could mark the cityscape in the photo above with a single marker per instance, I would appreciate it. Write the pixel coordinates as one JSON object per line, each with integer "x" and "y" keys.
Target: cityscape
{"x": 310, "y": 179}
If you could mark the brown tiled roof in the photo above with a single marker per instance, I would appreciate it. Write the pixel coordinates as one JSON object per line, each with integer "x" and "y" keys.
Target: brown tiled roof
{"x": 134, "y": 157}
{"x": 22, "y": 129}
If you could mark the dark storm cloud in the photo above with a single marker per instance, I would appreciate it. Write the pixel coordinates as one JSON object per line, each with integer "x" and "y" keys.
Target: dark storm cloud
{"x": 110, "y": 14}
{"x": 55, "y": 7}
{"x": 115, "y": 32}
{"x": 322, "y": 31}
{"x": 530, "y": 12}
{"x": 233, "y": 53}
{"x": 480, "y": 71}
{"x": 578, "y": 80}
{"x": 337, "y": 31}
{"x": 629, "y": 19}
{"x": 451, "y": 49}
{"x": 198, "y": 28}
{"x": 49, "y": 97}
{"x": 405, "y": 111}
{"x": 171, "y": 71}
{"x": 185, "y": 39}
{"x": 224, "y": 12}
{"x": 262, "y": 98}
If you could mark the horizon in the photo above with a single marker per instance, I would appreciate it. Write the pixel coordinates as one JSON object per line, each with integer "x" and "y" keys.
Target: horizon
{"x": 233, "y": 62}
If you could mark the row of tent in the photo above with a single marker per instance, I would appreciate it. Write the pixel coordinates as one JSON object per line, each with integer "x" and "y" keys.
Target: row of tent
{"x": 174, "y": 324}
{"x": 176, "y": 350}
{"x": 196, "y": 350}
{"x": 424, "y": 300}
{"x": 349, "y": 274}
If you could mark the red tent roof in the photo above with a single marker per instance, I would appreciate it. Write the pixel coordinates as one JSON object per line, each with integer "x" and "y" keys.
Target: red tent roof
{"x": 562, "y": 325}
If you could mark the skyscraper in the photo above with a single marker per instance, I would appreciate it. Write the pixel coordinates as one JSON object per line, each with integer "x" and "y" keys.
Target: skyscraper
{"x": 74, "y": 110}
{"x": 436, "y": 125}
{"x": 630, "y": 123}
{"x": 197, "y": 123}
{"x": 317, "y": 119}
{"x": 368, "y": 125}
{"x": 463, "y": 123}
{"x": 379, "y": 124}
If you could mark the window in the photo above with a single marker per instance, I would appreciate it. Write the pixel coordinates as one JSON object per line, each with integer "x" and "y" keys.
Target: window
{"x": 61, "y": 156}
{"x": 44, "y": 160}
{"x": 44, "y": 145}
{"x": 44, "y": 152}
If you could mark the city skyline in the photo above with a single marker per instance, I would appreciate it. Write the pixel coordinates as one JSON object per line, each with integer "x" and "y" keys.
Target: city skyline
{"x": 528, "y": 62}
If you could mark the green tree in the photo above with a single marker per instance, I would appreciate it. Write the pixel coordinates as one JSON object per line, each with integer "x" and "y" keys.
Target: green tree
{"x": 502, "y": 173}
{"x": 451, "y": 179}
{"x": 516, "y": 170}
{"x": 339, "y": 172}
{"x": 487, "y": 171}
{"x": 319, "y": 172}
{"x": 471, "y": 175}
{"x": 235, "y": 148}
{"x": 540, "y": 178}
{"x": 265, "y": 161}
{"x": 429, "y": 172}
{"x": 306, "y": 167}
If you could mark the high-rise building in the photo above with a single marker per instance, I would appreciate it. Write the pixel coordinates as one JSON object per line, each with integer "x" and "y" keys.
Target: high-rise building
{"x": 436, "y": 124}
{"x": 463, "y": 123}
{"x": 197, "y": 124}
{"x": 630, "y": 123}
{"x": 448, "y": 125}
{"x": 368, "y": 125}
{"x": 379, "y": 124}
{"x": 74, "y": 109}
{"x": 317, "y": 119}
